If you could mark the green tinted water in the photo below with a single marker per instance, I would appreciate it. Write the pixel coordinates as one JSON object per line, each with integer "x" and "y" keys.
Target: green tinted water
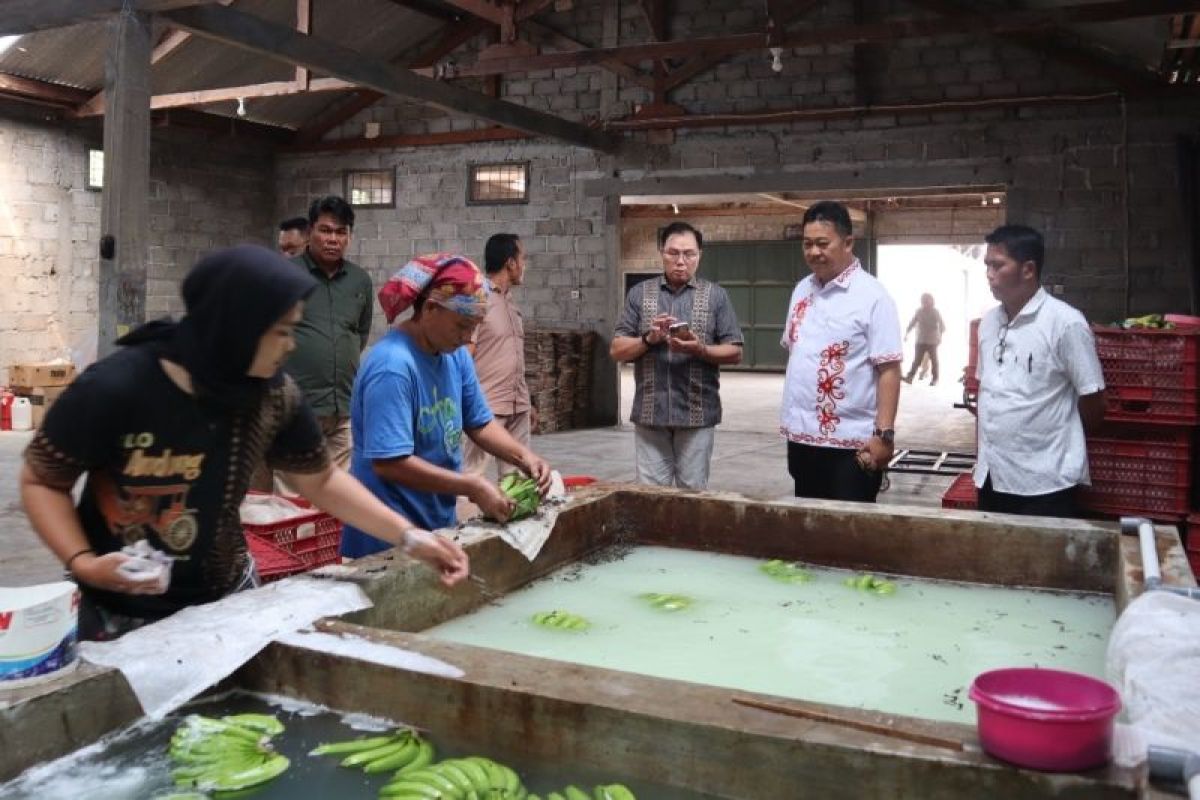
{"x": 133, "y": 765}
{"x": 914, "y": 652}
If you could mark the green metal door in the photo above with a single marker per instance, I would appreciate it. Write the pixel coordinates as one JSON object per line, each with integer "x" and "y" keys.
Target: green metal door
{"x": 759, "y": 278}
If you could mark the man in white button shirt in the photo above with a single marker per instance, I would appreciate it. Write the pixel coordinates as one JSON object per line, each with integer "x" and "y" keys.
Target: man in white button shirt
{"x": 1040, "y": 386}
{"x": 842, "y": 386}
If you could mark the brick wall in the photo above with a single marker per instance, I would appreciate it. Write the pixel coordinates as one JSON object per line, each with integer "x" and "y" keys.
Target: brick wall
{"x": 203, "y": 195}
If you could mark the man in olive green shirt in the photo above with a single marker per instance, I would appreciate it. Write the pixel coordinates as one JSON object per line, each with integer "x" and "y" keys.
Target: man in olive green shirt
{"x": 337, "y": 321}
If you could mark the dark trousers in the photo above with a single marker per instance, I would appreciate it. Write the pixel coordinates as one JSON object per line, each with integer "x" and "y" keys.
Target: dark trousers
{"x": 922, "y": 349}
{"x": 831, "y": 473}
{"x": 1056, "y": 504}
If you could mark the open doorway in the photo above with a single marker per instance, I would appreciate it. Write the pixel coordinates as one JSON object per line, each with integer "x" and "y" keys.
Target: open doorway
{"x": 955, "y": 277}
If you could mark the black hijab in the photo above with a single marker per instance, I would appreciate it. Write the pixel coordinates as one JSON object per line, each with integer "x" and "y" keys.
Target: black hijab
{"x": 232, "y": 296}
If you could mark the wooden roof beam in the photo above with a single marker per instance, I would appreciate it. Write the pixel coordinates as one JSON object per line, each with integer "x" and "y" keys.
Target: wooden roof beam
{"x": 972, "y": 22}
{"x": 43, "y": 92}
{"x": 26, "y": 16}
{"x": 452, "y": 36}
{"x": 169, "y": 43}
{"x": 257, "y": 35}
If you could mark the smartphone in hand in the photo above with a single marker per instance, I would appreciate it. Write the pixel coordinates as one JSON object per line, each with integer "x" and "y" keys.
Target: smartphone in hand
{"x": 680, "y": 330}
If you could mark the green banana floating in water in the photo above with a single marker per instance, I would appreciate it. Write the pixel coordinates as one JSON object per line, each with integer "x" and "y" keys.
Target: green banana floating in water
{"x": 457, "y": 779}
{"x": 869, "y": 583}
{"x": 523, "y": 492}
{"x": 786, "y": 571}
{"x": 562, "y": 620}
{"x": 399, "y": 752}
{"x": 226, "y": 755}
{"x": 668, "y": 602}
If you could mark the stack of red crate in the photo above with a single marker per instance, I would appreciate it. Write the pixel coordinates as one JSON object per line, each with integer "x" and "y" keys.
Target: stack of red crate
{"x": 1141, "y": 462}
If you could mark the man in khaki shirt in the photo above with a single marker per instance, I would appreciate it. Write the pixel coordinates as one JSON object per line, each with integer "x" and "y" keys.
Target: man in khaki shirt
{"x": 499, "y": 350}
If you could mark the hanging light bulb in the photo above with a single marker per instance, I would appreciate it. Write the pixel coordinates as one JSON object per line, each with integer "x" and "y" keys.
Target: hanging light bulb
{"x": 777, "y": 59}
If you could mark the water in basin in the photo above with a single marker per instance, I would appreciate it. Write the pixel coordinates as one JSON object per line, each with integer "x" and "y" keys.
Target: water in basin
{"x": 913, "y": 652}
{"x": 133, "y": 764}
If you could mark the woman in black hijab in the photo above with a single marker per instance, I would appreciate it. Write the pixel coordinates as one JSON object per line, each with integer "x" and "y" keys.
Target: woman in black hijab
{"x": 169, "y": 429}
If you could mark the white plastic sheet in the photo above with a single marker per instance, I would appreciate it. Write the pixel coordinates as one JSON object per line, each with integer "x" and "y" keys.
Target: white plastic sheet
{"x": 527, "y": 536}
{"x": 1154, "y": 661}
{"x": 172, "y": 661}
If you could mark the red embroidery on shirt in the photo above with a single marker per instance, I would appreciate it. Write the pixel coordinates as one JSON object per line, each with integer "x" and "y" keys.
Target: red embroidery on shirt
{"x": 830, "y": 385}
{"x": 797, "y": 318}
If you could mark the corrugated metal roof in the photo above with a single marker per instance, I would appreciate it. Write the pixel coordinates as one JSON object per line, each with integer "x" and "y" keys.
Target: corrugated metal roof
{"x": 380, "y": 29}
{"x": 74, "y": 56}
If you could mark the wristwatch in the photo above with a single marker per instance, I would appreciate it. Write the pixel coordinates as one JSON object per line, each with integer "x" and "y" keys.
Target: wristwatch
{"x": 646, "y": 339}
{"x": 888, "y": 435}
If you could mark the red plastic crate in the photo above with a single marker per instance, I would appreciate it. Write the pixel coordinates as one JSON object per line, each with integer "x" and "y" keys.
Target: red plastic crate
{"x": 1162, "y": 503}
{"x": 1144, "y": 454}
{"x": 1150, "y": 375}
{"x": 962, "y": 493}
{"x": 271, "y": 562}
{"x": 313, "y": 538}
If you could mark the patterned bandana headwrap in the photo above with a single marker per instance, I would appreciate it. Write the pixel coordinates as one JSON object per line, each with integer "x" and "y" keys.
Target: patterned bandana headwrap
{"x": 451, "y": 281}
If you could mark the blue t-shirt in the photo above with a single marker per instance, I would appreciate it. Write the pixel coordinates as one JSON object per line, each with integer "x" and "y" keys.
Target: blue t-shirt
{"x": 407, "y": 402}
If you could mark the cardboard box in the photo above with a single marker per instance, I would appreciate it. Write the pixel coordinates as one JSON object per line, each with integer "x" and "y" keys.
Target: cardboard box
{"x": 33, "y": 375}
{"x": 40, "y": 399}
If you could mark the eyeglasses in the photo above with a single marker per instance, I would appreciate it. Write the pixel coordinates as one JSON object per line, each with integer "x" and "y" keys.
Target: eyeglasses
{"x": 998, "y": 350}
{"x": 686, "y": 255}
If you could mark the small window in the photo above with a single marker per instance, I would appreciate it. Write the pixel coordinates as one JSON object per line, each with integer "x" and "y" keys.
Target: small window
{"x": 371, "y": 188}
{"x": 498, "y": 183}
{"x": 95, "y": 170}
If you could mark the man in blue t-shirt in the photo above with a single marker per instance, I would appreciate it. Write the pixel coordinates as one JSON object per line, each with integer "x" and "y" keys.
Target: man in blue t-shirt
{"x": 415, "y": 397}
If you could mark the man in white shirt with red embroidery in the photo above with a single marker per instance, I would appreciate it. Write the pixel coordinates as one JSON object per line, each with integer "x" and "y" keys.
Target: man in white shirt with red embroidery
{"x": 1040, "y": 386}
{"x": 842, "y": 385}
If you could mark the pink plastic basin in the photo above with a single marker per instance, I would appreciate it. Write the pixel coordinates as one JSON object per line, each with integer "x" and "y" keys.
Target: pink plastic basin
{"x": 1045, "y": 719}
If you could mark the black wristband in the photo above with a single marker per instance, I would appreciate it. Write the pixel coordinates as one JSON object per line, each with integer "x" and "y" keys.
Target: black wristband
{"x": 71, "y": 560}
{"x": 646, "y": 339}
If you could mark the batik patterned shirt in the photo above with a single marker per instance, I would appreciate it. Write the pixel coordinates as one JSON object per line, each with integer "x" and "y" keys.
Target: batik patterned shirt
{"x": 676, "y": 390}
{"x": 836, "y": 336}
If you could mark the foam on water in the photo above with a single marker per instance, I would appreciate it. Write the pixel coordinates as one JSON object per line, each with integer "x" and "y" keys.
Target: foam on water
{"x": 914, "y": 652}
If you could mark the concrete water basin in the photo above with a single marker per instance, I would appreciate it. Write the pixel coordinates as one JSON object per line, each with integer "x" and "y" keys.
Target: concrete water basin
{"x": 681, "y": 734}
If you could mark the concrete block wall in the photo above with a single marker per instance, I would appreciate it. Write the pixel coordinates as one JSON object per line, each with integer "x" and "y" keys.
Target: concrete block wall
{"x": 204, "y": 194}
{"x": 563, "y": 231}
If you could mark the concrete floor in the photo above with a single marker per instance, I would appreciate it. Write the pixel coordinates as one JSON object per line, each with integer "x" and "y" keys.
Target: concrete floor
{"x": 749, "y": 457}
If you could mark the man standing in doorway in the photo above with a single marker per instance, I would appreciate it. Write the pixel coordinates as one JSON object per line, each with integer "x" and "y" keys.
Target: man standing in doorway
{"x": 1040, "y": 386}
{"x": 677, "y": 330}
{"x": 498, "y": 348}
{"x": 337, "y": 321}
{"x": 842, "y": 384}
{"x": 929, "y": 325}
{"x": 293, "y": 236}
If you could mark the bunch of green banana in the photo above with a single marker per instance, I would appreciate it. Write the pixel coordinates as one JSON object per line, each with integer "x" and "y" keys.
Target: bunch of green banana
{"x": 561, "y": 620}
{"x": 869, "y": 583}
{"x": 1155, "y": 321}
{"x": 227, "y": 754}
{"x": 401, "y": 751}
{"x": 667, "y": 602}
{"x": 473, "y": 778}
{"x": 523, "y": 492}
{"x": 612, "y": 791}
{"x": 786, "y": 571}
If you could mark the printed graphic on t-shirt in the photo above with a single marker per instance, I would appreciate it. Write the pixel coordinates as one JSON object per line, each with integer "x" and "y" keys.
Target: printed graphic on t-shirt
{"x": 133, "y": 509}
{"x": 443, "y": 414}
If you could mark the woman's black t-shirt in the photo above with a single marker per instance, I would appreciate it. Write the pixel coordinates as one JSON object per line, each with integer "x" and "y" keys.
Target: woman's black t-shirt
{"x": 162, "y": 466}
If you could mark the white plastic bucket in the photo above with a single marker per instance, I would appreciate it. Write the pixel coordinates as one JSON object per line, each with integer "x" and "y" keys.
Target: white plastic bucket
{"x": 22, "y": 414}
{"x": 38, "y": 631}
